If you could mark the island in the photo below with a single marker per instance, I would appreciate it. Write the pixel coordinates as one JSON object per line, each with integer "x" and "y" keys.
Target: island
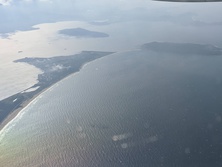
{"x": 53, "y": 70}
{"x": 183, "y": 48}
{"x": 82, "y": 33}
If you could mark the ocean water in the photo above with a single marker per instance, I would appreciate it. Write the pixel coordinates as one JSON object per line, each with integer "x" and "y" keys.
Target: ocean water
{"x": 136, "y": 108}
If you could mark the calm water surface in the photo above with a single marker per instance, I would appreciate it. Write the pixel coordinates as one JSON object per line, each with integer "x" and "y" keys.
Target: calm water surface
{"x": 136, "y": 108}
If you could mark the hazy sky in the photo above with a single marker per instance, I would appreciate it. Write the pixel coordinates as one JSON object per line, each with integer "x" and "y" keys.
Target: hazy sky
{"x": 22, "y": 14}
{"x": 129, "y": 23}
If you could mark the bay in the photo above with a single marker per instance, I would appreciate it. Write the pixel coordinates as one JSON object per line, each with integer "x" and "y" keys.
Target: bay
{"x": 136, "y": 108}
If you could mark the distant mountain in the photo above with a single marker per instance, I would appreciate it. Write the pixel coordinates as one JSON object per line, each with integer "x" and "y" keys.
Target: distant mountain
{"x": 183, "y": 48}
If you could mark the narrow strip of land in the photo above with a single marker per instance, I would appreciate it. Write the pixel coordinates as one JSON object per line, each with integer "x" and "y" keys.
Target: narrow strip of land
{"x": 54, "y": 69}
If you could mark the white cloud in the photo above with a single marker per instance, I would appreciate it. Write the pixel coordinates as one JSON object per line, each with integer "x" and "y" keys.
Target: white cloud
{"x": 5, "y": 2}
{"x": 33, "y": 0}
{"x": 8, "y": 2}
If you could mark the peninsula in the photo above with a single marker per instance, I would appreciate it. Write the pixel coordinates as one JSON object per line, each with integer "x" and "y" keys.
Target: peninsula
{"x": 54, "y": 69}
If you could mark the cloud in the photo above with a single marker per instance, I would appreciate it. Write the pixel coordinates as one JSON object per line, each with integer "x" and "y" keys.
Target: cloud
{"x": 38, "y": 0}
{"x": 9, "y": 2}
{"x": 5, "y": 2}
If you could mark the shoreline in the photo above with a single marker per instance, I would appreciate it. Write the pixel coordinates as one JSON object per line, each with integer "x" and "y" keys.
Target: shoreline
{"x": 14, "y": 113}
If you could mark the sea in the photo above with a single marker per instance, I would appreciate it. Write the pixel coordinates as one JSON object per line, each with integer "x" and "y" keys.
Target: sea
{"x": 130, "y": 109}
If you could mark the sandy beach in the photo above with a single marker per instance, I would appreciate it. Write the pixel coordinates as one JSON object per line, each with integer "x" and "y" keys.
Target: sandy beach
{"x": 14, "y": 113}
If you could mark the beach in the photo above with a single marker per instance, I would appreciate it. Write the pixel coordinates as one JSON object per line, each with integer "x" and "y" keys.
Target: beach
{"x": 12, "y": 106}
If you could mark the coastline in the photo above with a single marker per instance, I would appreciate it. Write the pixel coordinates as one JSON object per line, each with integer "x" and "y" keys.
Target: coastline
{"x": 14, "y": 113}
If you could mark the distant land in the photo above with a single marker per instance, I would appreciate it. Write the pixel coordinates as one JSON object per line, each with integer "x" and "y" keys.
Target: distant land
{"x": 183, "y": 48}
{"x": 100, "y": 22}
{"x": 83, "y": 33}
{"x": 54, "y": 69}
